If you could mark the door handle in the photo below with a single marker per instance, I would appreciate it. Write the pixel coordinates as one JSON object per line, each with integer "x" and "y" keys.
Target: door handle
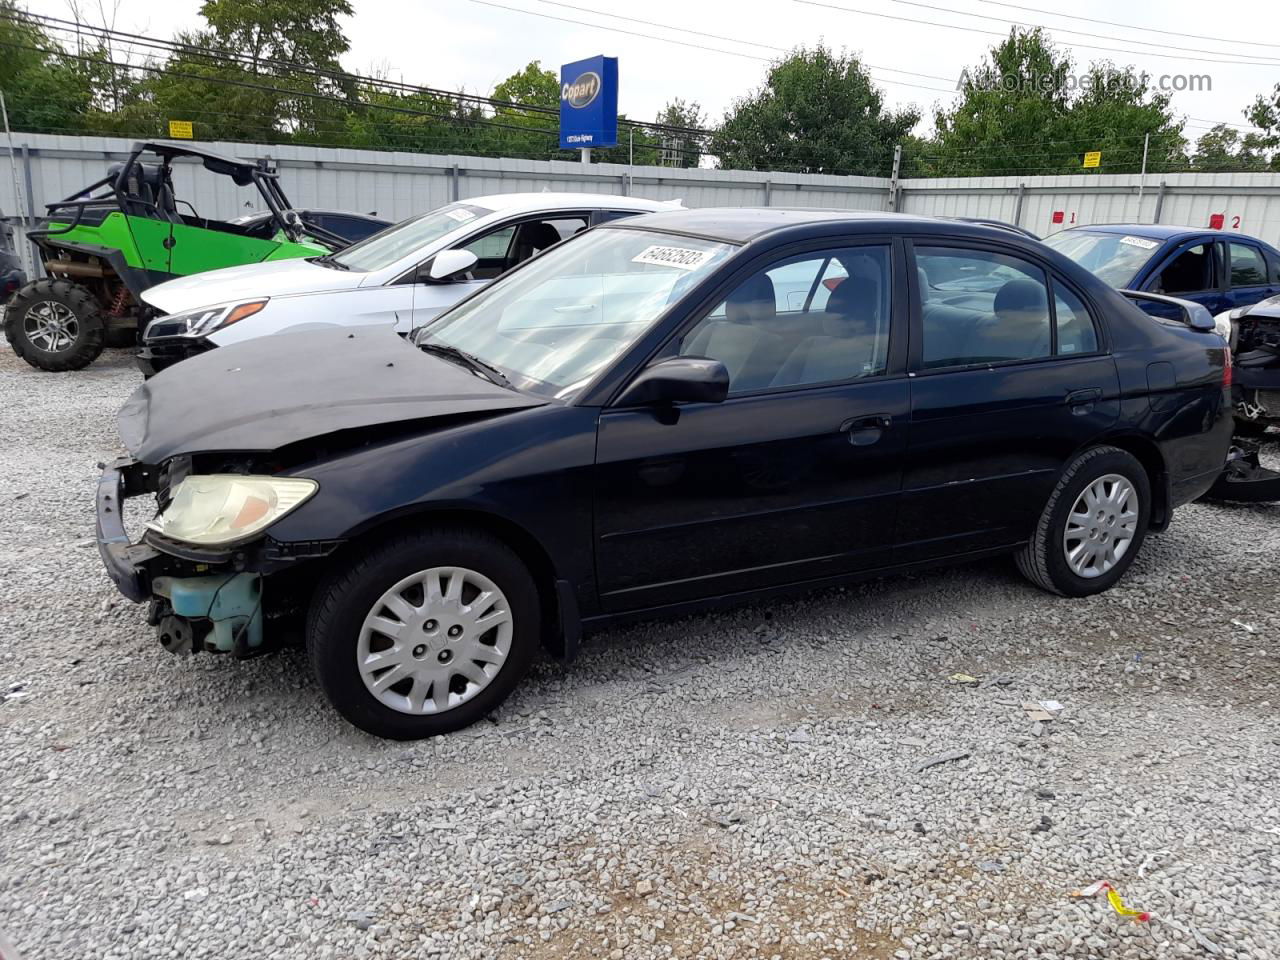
{"x": 1080, "y": 397}
{"x": 864, "y": 431}
{"x": 1082, "y": 401}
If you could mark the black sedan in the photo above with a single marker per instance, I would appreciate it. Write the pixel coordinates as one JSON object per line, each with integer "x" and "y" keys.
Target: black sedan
{"x": 661, "y": 413}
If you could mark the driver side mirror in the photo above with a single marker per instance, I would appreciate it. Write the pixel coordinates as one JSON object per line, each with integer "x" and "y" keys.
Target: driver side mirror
{"x": 678, "y": 379}
{"x": 447, "y": 264}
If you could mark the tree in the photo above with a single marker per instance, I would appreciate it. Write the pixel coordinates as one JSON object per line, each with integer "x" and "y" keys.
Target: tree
{"x": 536, "y": 133}
{"x": 45, "y": 90}
{"x": 261, "y": 70}
{"x": 681, "y": 149}
{"x": 818, "y": 112}
{"x": 1024, "y": 109}
{"x": 1223, "y": 150}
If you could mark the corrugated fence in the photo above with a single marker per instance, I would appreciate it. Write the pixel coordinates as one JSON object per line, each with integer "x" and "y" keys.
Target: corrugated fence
{"x": 398, "y": 185}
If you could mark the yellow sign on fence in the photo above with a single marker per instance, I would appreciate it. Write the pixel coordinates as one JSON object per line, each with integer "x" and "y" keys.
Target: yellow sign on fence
{"x": 1091, "y": 159}
{"x": 181, "y": 130}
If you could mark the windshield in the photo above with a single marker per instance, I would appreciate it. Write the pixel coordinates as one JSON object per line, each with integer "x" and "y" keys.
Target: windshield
{"x": 385, "y": 248}
{"x": 1113, "y": 257}
{"x": 555, "y": 323}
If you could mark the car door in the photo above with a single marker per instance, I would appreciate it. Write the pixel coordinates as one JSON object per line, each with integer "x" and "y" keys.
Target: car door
{"x": 1191, "y": 271}
{"x": 1246, "y": 274}
{"x": 1006, "y": 381}
{"x": 796, "y": 475}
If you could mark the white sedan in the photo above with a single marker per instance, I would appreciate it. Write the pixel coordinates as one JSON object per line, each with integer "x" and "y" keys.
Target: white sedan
{"x": 403, "y": 276}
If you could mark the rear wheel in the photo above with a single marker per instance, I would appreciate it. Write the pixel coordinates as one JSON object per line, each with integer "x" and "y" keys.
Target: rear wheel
{"x": 1093, "y": 525}
{"x": 424, "y": 634}
{"x": 54, "y": 325}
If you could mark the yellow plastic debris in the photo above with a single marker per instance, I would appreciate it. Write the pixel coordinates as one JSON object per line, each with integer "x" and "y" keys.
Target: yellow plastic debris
{"x": 1113, "y": 898}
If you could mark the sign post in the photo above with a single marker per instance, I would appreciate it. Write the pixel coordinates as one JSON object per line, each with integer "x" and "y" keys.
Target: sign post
{"x": 589, "y": 105}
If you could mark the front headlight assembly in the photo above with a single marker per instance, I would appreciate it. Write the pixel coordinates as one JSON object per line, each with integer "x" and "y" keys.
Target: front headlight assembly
{"x": 218, "y": 509}
{"x": 202, "y": 322}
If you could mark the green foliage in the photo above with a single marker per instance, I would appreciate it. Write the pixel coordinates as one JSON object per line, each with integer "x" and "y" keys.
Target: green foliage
{"x": 44, "y": 89}
{"x": 1224, "y": 150}
{"x": 818, "y": 112}
{"x": 1024, "y": 109}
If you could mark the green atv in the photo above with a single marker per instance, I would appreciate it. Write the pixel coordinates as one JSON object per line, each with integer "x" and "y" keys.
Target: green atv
{"x": 102, "y": 250}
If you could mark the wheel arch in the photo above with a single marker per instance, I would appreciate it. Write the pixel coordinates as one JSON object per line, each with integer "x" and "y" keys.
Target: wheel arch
{"x": 561, "y": 625}
{"x": 1147, "y": 452}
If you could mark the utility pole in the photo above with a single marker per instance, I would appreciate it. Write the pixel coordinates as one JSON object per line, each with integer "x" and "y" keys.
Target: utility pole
{"x": 19, "y": 205}
{"x": 1142, "y": 181}
{"x": 893, "y": 177}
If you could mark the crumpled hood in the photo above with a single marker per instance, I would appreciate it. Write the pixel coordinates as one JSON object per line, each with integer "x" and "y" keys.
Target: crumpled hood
{"x": 262, "y": 394}
{"x": 279, "y": 278}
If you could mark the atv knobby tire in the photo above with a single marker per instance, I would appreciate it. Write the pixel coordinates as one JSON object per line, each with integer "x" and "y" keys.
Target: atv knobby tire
{"x": 56, "y": 297}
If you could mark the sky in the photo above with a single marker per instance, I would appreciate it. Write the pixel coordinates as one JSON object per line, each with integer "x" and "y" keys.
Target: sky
{"x": 474, "y": 44}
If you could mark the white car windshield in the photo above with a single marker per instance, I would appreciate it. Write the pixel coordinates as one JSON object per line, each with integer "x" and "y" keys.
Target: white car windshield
{"x": 553, "y": 324}
{"x": 1113, "y": 257}
{"x": 398, "y": 241}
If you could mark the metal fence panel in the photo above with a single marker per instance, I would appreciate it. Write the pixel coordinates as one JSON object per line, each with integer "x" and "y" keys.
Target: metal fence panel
{"x": 397, "y": 185}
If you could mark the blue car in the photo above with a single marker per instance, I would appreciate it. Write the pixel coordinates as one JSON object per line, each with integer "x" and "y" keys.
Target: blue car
{"x": 1219, "y": 271}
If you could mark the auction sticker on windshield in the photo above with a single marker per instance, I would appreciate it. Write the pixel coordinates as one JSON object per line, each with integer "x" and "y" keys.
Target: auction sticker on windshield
{"x": 682, "y": 257}
{"x": 1142, "y": 242}
{"x": 462, "y": 215}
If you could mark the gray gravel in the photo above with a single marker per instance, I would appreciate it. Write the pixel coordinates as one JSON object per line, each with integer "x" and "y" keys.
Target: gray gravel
{"x": 734, "y": 785}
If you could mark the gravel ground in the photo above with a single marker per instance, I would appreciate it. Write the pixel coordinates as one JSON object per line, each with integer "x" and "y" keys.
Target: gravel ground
{"x": 734, "y": 785}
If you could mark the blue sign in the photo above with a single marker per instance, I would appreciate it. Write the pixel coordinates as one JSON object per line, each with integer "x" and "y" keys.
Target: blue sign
{"x": 589, "y": 103}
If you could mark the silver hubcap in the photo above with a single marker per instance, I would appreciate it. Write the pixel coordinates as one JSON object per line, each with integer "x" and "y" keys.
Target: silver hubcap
{"x": 434, "y": 640}
{"x": 51, "y": 326}
{"x": 1101, "y": 526}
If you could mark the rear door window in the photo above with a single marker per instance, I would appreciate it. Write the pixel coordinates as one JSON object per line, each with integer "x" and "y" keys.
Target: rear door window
{"x": 980, "y": 306}
{"x": 1248, "y": 269}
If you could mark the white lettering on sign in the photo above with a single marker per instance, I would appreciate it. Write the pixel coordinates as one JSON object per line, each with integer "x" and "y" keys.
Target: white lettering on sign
{"x": 681, "y": 257}
{"x": 1142, "y": 242}
{"x": 582, "y": 91}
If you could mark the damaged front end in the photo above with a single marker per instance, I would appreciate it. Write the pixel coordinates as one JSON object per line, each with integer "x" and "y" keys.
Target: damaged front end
{"x": 1256, "y": 368}
{"x": 206, "y": 589}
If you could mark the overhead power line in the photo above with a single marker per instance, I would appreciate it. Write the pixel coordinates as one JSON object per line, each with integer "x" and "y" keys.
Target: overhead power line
{"x": 169, "y": 46}
{"x": 716, "y": 36}
{"x": 682, "y": 43}
{"x": 1256, "y": 58}
{"x": 1130, "y": 26}
{"x": 996, "y": 33}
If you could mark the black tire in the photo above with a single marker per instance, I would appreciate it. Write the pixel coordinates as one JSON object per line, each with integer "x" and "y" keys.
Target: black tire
{"x": 346, "y": 596}
{"x": 89, "y": 337}
{"x": 1043, "y": 560}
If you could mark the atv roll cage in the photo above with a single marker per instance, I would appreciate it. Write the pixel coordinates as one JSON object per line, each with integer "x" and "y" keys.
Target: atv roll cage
{"x": 146, "y": 189}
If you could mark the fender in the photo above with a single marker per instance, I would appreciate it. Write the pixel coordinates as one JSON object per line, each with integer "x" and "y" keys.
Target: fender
{"x": 136, "y": 279}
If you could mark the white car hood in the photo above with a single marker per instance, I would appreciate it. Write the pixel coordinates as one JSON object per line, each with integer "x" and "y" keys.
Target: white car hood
{"x": 280, "y": 278}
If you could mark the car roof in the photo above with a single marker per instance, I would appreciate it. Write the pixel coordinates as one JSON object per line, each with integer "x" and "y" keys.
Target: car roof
{"x": 1152, "y": 231}
{"x": 516, "y": 202}
{"x": 744, "y": 224}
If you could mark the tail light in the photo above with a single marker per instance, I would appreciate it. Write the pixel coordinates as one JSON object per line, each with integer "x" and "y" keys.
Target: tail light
{"x": 1226, "y": 366}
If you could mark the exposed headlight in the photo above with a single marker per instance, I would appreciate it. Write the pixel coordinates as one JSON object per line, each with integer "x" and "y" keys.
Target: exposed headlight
{"x": 1222, "y": 325}
{"x": 199, "y": 323}
{"x": 216, "y": 509}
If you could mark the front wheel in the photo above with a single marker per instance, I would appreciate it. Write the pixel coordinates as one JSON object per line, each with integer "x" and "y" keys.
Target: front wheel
{"x": 54, "y": 325}
{"x": 425, "y": 633}
{"x": 1093, "y": 525}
